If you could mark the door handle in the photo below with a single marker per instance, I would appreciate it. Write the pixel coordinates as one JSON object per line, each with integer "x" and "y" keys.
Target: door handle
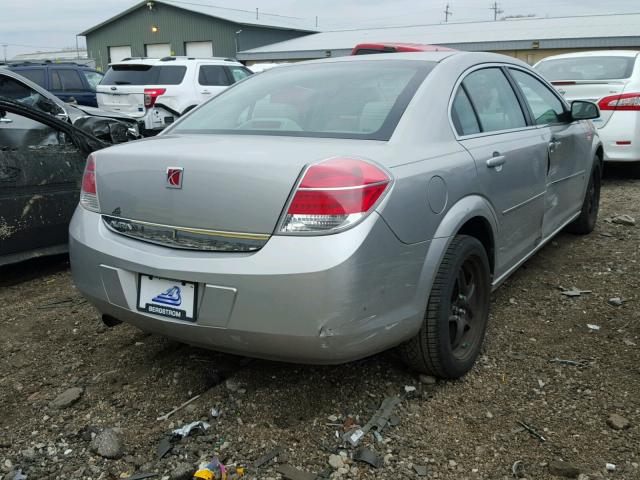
{"x": 206, "y": 92}
{"x": 496, "y": 161}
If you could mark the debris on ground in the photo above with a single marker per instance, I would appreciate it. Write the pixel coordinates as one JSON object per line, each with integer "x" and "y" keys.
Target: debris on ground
{"x": 427, "y": 379}
{"x": 67, "y": 398}
{"x": 182, "y": 471}
{"x": 107, "y": 444}
{"x": 574, "y": 363}
{"x": 618, "y": 422}
{"x": 366, "y": 455}
{"x": 380, "y": 420}
{"x": 336, "y": 461}
{"x": 593, "y": 327}
{"x": 625, "y": 219}
{"x": 187, "y": 429}
{"x": 215, "y": 469}
{"x": 563, "y": 469}
{"x": 610, "y": 467}
{"x": 573, "y": 292}
{"x": 421, "y": 470}
{"x": 517, "y": 469}
{"x": 616, "y": 301}
{"x": 532, "y": 431}
{"x": 142, "y": 476}
{"x": 165, "y": 446}
{"x": 177, "y": 409}
{"x": 290, "y": 473}
{"x": 214, "y": 413}
{"x": 266, "y": 458}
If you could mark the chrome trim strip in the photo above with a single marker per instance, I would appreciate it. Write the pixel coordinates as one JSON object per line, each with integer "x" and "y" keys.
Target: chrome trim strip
{"x": 515, "y": 207}
{"x": 202, "y": 239}
{"x": 581, "y": 172}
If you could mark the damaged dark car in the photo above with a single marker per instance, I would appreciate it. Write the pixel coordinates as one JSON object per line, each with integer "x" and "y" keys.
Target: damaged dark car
{"x": 41, "y": 163}
{"x": 109, "y": 127}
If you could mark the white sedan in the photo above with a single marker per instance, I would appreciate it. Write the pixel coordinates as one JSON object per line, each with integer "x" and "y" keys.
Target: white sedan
{"x": 610, "y": 78}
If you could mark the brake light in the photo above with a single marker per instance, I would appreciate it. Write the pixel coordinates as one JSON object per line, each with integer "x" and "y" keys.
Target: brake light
{"x": 89, "y": 192}
{"x": 151, "y": 95}
{"x": 625, "y": 101}
{"x": 334, "y": 195}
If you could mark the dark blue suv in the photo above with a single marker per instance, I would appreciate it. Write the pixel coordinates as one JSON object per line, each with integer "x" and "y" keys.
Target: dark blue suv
{"x": 67, "y": 81}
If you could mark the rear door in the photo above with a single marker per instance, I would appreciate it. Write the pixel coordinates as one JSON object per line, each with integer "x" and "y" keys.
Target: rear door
{"x": 68, "y": 85}
{"x": 568, "y": 150}
{"x": 211, "y": 80}
{"x": 40, "y": 173}
{"x": 511, "y": 159}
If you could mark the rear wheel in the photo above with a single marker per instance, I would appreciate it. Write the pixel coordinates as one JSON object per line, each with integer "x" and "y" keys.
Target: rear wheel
{"x": 455, "y": 322}
{"x": 586, "y": 221}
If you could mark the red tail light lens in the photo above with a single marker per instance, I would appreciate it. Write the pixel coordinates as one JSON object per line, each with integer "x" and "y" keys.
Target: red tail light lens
{"x": 335, "y": 194}
{"x": 89, "y": 192}
{"x": 151, "y": 95}
{"x": 625, "y": 101}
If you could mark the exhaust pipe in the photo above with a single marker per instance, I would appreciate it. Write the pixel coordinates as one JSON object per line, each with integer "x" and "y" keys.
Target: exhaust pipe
{"x": 110, "y": 321}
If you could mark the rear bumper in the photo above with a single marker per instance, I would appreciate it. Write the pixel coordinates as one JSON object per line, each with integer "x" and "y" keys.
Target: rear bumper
{"x": 325, "y": 299}
{"x": 623, "y": 126}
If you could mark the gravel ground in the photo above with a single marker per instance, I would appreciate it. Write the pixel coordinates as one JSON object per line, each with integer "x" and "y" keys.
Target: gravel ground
{"x": 120, "y": 380}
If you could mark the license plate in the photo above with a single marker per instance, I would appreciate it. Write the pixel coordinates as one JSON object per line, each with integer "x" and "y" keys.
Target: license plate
{"x": 168, "y": 298}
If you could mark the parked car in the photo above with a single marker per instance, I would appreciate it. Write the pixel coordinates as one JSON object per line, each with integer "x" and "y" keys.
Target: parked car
{"x": 109, "y": 126}
{"x": 324, "y": 211}
{"x": 158, "y": 91}
{"x": 611, "y": 78}
{"x": 41, "y": 163}
{"x": 68, "y": 81}
{"x": 386, "y": 47}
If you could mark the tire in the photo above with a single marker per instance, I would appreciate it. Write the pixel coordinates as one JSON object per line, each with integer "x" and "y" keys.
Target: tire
{"x": 634, "y": 170}
{"x": 586, "y": 222}
{"x": 453, "y": 330}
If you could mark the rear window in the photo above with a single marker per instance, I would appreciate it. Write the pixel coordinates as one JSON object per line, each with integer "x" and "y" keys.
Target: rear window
{"x": 362, "y": 100}
{"x": 587, "y": 68}
{"x": 132, "y": 74}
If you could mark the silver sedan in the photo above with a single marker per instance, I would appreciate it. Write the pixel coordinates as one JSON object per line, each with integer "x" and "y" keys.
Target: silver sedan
{"x": 329, "y": 210}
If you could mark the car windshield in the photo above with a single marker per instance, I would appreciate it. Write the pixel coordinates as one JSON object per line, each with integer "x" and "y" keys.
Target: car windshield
{"x": 363, "y": 99}
{"x": 587, "y": 68}
{"x": 140, "y": 74}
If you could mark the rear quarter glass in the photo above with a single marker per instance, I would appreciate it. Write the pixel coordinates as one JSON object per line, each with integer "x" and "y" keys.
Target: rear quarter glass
{"x": 140, "y": 74}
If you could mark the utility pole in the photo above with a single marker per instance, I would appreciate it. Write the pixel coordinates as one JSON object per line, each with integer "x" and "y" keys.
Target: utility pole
{"x": 447, "y": 13}
{"x": 496, "y": 10}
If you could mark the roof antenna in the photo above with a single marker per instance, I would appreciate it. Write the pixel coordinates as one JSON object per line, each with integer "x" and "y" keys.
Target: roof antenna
{"x": 447, "y": 13}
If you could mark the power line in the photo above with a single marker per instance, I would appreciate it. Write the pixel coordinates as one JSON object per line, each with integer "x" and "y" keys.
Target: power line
{"x": 447, "y": 13}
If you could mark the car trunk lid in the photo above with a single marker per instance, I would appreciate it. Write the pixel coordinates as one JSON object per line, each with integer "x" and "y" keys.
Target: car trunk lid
{"x": 123, "y": 99}
{"x": 593, "y": 91}
{"x": 228, "y": 183}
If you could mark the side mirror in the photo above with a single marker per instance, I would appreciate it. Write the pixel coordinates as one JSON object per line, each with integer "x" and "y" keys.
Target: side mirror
{"x": 583, "y": 110}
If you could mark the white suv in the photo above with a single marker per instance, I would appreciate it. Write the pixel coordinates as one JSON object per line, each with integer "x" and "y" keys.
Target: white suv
{"x": 158, "y": 91}
{"x": 610, "y": 78}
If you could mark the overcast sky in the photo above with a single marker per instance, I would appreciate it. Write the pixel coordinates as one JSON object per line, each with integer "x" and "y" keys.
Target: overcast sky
{"x": 38, "y": 25}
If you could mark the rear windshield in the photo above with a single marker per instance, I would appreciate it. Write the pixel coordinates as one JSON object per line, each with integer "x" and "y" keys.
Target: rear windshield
{"x": 144, "y": 75}
{"x": 335, "y": 100}
{"x": 587, "y": 68}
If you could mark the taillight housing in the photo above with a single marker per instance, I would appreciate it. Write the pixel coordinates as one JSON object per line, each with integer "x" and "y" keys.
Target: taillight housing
{"x": 151, "y": 95}
{"x": 334, "y": 195}
{"x": 89, "y": 191}
{"x": 624, "y": 101}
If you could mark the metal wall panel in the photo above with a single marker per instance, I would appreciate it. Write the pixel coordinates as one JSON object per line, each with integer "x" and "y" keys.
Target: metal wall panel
{"x": 177, "y": 26}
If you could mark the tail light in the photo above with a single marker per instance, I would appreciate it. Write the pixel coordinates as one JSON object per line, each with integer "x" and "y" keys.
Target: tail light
{"x": 151, "y": 95}
{"x": 89, "y": 192}
{"x": 334, "y": 195}
{"x": 624, "y": 101}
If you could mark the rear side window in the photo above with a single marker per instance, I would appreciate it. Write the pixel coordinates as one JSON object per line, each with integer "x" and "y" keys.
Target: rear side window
{"x": 214, "y": 75}
{"x": 494, "y": 100}
{"x": 36, "y": 75}
{"x": 587, "y": 68}
{"x": 545, "y": 106}
{"x": 463, "y": 116}
{"x": 69, "y": 80}
{"x": 93, "y": 78}
{"x": 137, "y": 74}
{"x": 239, "y": 73}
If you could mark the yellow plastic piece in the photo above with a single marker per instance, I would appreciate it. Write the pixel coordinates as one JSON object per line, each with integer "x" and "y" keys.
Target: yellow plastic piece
{"x": 205, "y": 474}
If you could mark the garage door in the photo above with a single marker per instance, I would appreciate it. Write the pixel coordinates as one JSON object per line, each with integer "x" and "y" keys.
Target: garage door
{"x": 199, "y": 49}
{"x": 119, "y": 53}
{"x": 158, "y": 50}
